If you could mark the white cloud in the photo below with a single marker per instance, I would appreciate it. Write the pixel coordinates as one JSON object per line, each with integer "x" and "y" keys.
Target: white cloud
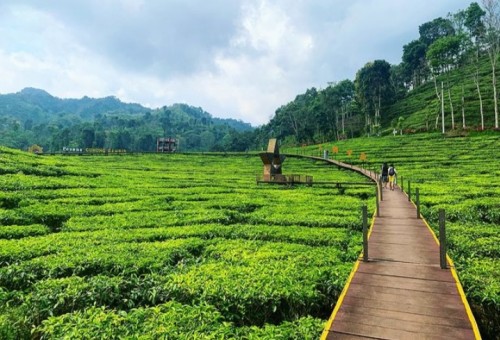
{"x": 234, "y": 58}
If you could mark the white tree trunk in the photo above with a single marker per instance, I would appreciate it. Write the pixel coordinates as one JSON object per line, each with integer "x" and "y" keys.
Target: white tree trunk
{"x": 495, "y": 97}
{"x": 442, "y": 108}
{"x": 451, "y": 107}
{"x": 293, "y": 124}
{"x": 492, "y": 25}
{"x": 463, "y": 108}
{"x": 343, "y": 122}
{"x": 439, "y": 98}
{"x": 481, "y": 111}
{"x": 336, "y": 121}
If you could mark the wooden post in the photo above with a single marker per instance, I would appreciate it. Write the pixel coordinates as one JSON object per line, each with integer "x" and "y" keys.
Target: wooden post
{"x": 402, "y": 184}
{"x": 377, "y": 201}
{"x": 365, "y": 233}
{"x": 442, "y": 239}
{"x": 409, "y": 191}
{"x": 417, "y": 200}
{"x": 381, "y": 190}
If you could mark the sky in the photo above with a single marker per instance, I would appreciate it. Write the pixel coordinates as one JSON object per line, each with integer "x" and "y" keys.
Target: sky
{"x": 238, "y": 59}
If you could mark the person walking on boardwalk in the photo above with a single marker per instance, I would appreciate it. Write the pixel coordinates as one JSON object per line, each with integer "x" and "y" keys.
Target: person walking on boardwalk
{"x": 384, "y": 174}
{"x": 392, "y": 176}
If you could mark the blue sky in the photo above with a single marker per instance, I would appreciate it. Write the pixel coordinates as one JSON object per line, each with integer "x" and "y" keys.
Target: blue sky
{"x": 234, "y": 58}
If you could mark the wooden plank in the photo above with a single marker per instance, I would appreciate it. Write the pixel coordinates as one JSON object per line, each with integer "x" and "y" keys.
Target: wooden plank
{"x": 446, "y": 304}
{"x": 403, "y": 231}
{"x": 405, "y": 296}
{"x": 343, "y": 336}
{"x": 418, "y": 255}
{"x": 424, "y": 319}
{"x": 402, "y": 290}
{"x": 404, "y": 249}
{"x": 384, "y": 326}
{"x": 424, "y": 272}
{"x": 397, "y": 220}
{"x": 404, "y": 282}
{"x": 397, "y": 306}
{"x": 359, "y": 329}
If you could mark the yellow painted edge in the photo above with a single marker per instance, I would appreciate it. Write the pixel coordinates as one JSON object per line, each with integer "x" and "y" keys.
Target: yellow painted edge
{"x": 344, "y": 291}
{"x": 472, "y": 319}
{"x": 339, "y": 302}
{"x": 460, "y": 289}
{"x": 371, "y": 224}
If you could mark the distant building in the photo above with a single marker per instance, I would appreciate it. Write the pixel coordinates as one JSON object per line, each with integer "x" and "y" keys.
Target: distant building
{"x": 166, "y": 145}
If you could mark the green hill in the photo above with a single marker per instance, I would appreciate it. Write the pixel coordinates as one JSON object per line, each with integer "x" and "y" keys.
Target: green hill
{"x": 420, "y": 107}
{"x": 334, "y": 113}
{"x": 33, "y": 116}
{"x": 39, "y": 106}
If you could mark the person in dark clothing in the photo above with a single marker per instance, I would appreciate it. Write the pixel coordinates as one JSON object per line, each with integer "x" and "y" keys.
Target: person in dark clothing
{"x": 392, "y": 176}
{"x": 385, "y": 174}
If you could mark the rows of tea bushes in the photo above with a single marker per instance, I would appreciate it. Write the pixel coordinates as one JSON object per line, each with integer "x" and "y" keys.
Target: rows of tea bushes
{"x": 184, "y": 246}
{"x": 462, "y": 176}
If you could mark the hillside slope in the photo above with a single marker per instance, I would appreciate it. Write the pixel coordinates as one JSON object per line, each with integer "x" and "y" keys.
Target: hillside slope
{"x": 420, "y": 107}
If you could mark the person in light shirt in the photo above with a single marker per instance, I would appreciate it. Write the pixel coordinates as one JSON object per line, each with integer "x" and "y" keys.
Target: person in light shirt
{"x": 392, "y": 176}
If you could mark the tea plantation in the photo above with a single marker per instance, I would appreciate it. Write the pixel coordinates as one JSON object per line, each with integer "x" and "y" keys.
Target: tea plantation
{"x": 189, "y": 246}
{"x": 461, "y": 175}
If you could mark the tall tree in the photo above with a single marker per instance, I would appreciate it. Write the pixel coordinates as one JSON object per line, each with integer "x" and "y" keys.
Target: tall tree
{"x": 492, "y": 40}
{"x": 414, "y": 62}
{"x": 435, "y": 29}
{"x": 398, "y": 81}
{"x": 443, "y": 55}
{"x": 345, "y": 91}
{"x": 166, "y": 121}
{"x": 88, "y": 136}
{"x": 337, "y": 100}
{"x": 475, "y": 26}
{"x": 373, "y": 89}
{"x": 474, "y": 21}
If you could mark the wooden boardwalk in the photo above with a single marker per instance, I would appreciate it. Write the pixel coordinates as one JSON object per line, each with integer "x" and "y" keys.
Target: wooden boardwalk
{"x": 401, "y": 292}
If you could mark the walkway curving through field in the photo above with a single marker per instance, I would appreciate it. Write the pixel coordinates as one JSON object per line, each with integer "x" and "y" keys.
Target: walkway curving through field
{"x": 401, "y": 292}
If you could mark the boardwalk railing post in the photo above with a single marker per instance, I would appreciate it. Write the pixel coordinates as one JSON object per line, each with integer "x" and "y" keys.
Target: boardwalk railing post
{"x": 442, "y": 239}
{"x": 417, "y": 200}
{"x": 376, "y": 200}
{"x": 409, "y": 191}
{"x": 381, "y": 194}
{"x": 365, "y": 233}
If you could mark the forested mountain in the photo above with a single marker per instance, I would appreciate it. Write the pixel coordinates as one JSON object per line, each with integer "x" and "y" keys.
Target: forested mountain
{"x": 446, "y": 82}
{"x": 33, "y": 116}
